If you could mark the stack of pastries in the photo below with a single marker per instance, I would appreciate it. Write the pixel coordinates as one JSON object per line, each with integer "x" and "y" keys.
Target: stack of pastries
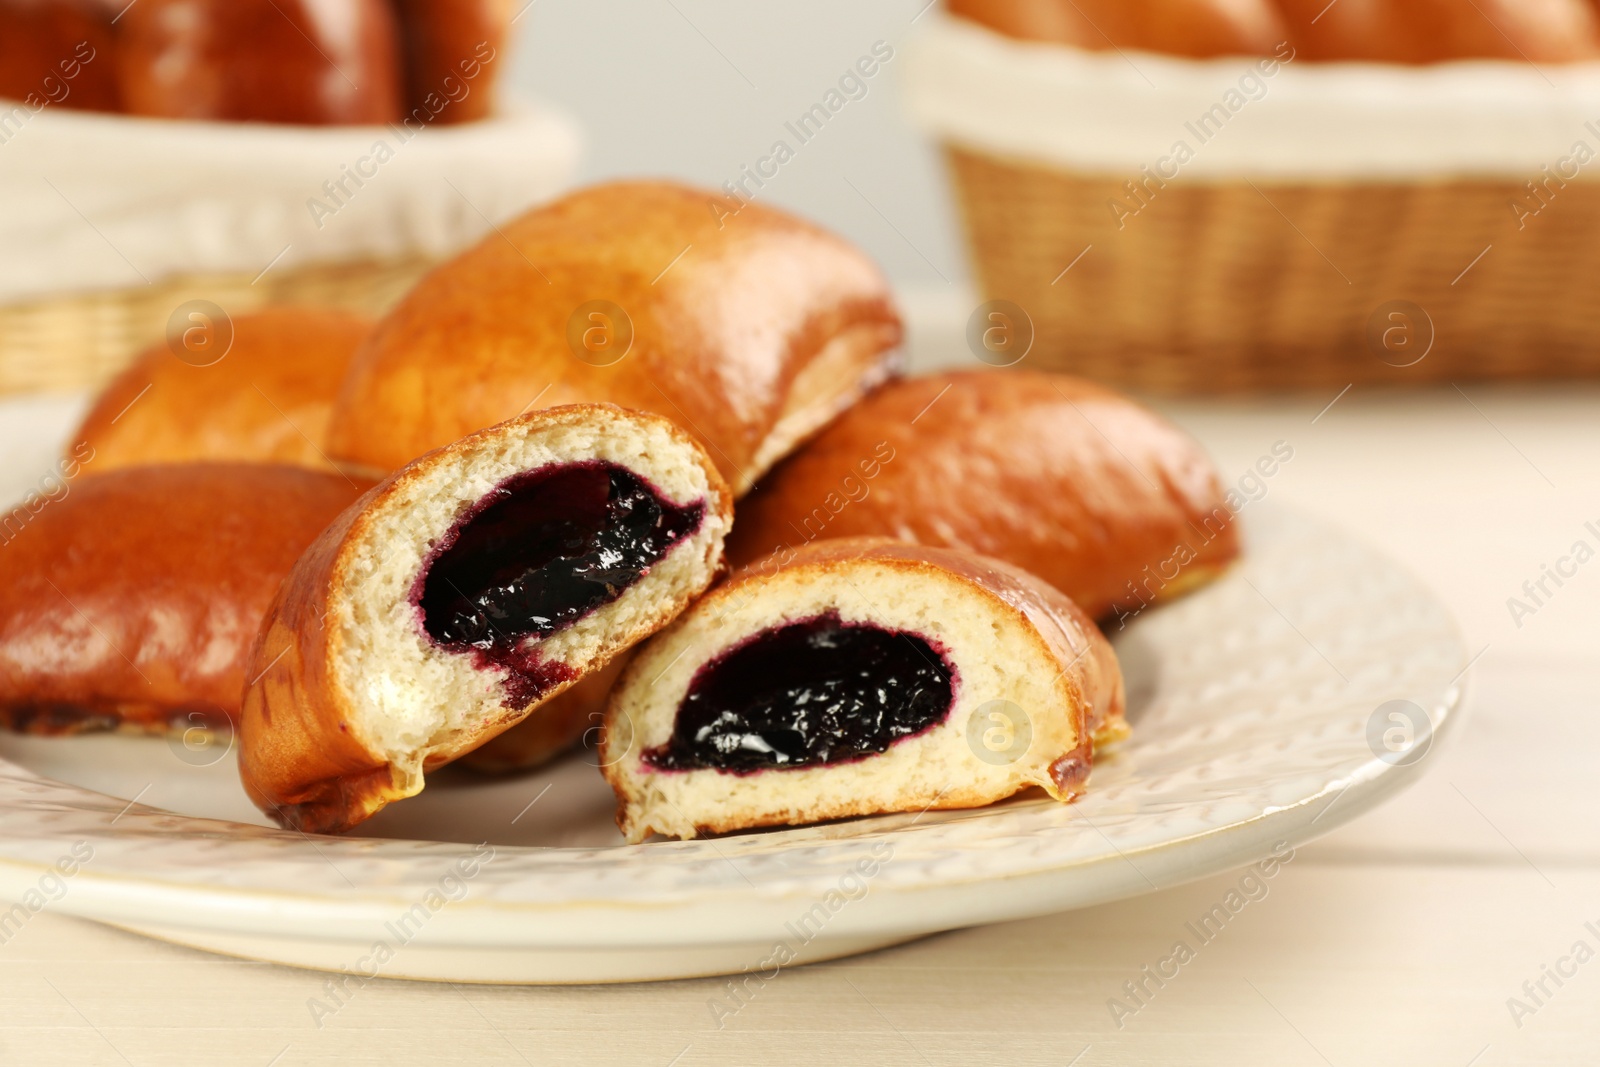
{"x": 626, "y": 469}
{"x": 308, "y": 62}
{"x": 1378, "y": 31}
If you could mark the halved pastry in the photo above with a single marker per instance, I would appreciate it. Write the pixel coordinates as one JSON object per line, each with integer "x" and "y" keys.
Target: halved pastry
{"x": 463, "y": 592}
{"x": 746, "y": 326}
{"x": 862, "y": 676}
{"x": 1082, "y": 486}
{"x": 131, "y": 600}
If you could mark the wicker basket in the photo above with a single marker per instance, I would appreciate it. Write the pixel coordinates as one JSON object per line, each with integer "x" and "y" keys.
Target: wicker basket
{"x": 1241, "y": 223}
{"x": 244, "y": 215}
{"x": 79, "y": 341}
{"x": 1240, "y": 286}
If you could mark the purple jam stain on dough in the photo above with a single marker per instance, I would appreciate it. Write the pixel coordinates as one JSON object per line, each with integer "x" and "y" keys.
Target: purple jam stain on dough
{"x": 805, "y": 694}
{"x": 537, "y": 553}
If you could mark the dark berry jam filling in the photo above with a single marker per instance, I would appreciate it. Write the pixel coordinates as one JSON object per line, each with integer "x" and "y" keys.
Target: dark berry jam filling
{"x": 808, "y": 693}
{"x": 536, "y": 554}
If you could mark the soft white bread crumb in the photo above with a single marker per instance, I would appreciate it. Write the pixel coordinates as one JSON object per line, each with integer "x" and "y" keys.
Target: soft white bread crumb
{"x": 996, "y": 653}
{"x": 411, "y": 700}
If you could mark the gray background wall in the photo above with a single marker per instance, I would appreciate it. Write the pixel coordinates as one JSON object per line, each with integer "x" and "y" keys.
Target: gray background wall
{"x": 697, "y": 89}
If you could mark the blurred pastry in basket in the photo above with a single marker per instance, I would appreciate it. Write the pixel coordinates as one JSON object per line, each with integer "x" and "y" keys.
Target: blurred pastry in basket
{"x": 257, "y": 388}
{"x": 1070, "y": 481}
{"x": 308, "y": 62}
{"x": 861, "y": 676}
{"x": 132, "y": 600}
{"x": 315, "y": 62}
{"x": 464, "y": 593}
{"x": 58, "y": 53}
{"x": 748, "y": 327}
{"x": 1431, "y": 31}
{"x": 1196, "y": 28}
{"x": 451, "y": 50}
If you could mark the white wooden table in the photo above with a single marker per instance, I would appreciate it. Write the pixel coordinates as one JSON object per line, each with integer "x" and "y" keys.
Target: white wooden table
{"x": 1398, "y": 939}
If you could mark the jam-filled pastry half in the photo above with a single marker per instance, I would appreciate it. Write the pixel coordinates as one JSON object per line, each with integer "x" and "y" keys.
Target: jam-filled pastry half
{"x": 858, "y": 677}
{"x": 748, "y": 327}
{"x": 256, "y": 388}
{"x": 131, "y": 600}
{"x": 464, "y": 591}
{"x": 1094, "y": 493}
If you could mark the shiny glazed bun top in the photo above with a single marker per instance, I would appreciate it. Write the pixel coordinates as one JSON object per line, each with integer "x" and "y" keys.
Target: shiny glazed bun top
{"x": 450, "y": 48}
{"x": 297, "y": 61}
{"x": 1387, "y": 31}
{"x": 1196, "y": 28}
{"x": 1077, "y": 484}
{"x": 306, "y": 62}
{"x": 1430, "y": 31}
{"x": 255, "y": 388}
{"x": 59, "y": 54}
{"x": 131, "y": 599}
{"x": 746, "y": 326}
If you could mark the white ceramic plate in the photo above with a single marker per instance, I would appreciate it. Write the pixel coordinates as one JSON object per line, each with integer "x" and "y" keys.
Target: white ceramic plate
{"x": 1263, "y": 709}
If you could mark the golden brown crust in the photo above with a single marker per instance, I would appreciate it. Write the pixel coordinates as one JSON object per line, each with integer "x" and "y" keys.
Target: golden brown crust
{"x": 302, "y": 757}
{"x": 1067, "y": 480}
{"x": 1089, "y": 679}
{"x": 134, "y": 599}
{"x": 1387, "y": 31}
{"x": 1197, "y": 28}
{"x": 295, "y": 740}
{"x": 726, "y": 314}
{"x": 59, "y": 54}
{"x": 1430, "y": 31}
{"x": 453, "y": 52}
{"x": 295, "y": 61}
{"x": 266, "y": 401}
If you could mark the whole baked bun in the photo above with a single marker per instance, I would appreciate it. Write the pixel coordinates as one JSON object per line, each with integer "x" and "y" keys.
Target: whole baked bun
{"x": 58, "y": 53}
{"x": 259, "y": 388}
{"x": 1195, "y": 28}
{"x": 132, "y": 600}
{"x": 453, "y": 53}
{"x": 1075, "y": 483}
{"x": 857, "y": 677}
{"x": 310, "y": 62}
{"x": 464, "y": 592}
{"x": 1431, "y": 31}
{"x": 749, "y": 329}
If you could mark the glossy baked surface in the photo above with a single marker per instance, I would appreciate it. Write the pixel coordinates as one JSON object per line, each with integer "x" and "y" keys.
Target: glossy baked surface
{"x": 1071, "y": 482}
{"x": 1431, "y": 31}
{"x": 452, "y": 51}
{"x": 309, "y": 62}
{"x": 265, "y": 399}
{"x": 1197, "y": 28}
{"x": 58, "y": 53}
{"x": 633, "y": 293}
{"x": 135, "y": 597}
{"x": 1387, "y": 31}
